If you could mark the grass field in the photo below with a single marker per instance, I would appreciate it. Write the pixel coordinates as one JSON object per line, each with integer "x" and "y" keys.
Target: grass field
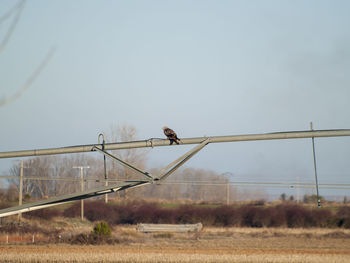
{"x": 211, "y": 245}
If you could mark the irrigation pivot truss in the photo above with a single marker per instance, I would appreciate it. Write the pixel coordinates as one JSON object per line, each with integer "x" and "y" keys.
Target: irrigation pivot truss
{"x": 148, "y": 178}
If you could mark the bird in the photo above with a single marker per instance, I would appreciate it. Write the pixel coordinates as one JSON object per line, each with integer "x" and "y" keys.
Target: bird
{"x": 171, "y": 135}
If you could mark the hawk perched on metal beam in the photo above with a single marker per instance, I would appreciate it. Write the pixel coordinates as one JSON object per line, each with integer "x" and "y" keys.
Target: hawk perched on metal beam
{"x": 171, "y": 135}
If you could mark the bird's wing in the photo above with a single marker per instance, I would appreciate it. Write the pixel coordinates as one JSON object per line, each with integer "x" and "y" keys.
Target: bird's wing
{"x": 169, "y": 132}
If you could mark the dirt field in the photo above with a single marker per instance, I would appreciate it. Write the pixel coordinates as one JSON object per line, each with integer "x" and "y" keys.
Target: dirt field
{"x": 211, "y": 245}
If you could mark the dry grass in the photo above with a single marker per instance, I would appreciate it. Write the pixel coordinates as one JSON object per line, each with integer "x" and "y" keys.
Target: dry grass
{"x": 161, "y": 257}
{"x": 280, "y": 232}
{"x": 166, "y": 254}
{"x": 210, "y": 245}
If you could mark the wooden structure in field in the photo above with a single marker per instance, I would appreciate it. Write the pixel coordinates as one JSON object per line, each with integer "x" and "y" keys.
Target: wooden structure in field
{"x": 177, "y": 228}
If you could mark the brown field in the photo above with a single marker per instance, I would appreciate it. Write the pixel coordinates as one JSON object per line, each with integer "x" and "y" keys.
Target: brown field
{"x": 211, "y": 245}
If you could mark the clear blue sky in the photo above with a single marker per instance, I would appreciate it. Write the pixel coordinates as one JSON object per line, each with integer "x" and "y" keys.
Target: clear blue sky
{"x": 199, "y": 67}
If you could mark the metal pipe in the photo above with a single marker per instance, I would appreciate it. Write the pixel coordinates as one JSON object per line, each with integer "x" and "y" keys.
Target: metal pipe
{"x": 315, "y": 168}
{"x": 287, "y": 184}
{"x": 70, "y": 197}
{"x": 165, "y": 142}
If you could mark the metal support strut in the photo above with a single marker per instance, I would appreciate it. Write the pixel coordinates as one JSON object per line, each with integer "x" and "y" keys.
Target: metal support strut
{"x": 166, "y": 171}
{"x": 71, "y": 197}
{"x": 104, "y": 157}
{"x": 162, "y": 175}
{"x": 172, "y": 167}
{"x": 145, "y": 174}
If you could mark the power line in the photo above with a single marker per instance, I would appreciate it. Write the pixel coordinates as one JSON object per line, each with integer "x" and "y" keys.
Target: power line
{"x": 199, "y": 183}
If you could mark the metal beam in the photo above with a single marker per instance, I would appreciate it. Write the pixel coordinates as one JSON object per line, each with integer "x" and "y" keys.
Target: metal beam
{"x": 143, "y": 173}
{"x": 172, "y": 167}
{"x": 165, "y": 142}
{"x": 71, "y": 197}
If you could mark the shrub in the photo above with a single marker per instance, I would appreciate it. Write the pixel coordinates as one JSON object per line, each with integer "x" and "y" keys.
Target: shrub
{"x": 46, "y": 213}
{"x": 226, "y": 216}
{"x": 277, "y": 216}
{"x": 72, "y": 211}
{"x": 102, "y": 229}
{"x": 343, "y": 217}
{"x": 5, "y": 204}
{"x": 190, "y": 214}
{"x": 284, "y": 215}
{"x": 321, "y": 218}
{"x": 98, "y": 210}
{"x": 184, "y": 214}
{"x": 146, "y": 213}
{"x": 91, "y": 239}
{"x": 122, "y": 214}
{"x": 254, "y": 217}
{"x": 93, "y": 211}
{"x": 296, "y": 216}
{"x": 165, "y": 216}
{"x": 163, "y": 235}
{"x": 23, "y": 227}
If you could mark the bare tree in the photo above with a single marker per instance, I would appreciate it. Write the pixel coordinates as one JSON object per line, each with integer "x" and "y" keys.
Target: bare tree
{"x": 136, "y": 157}
{"x": 16, "y": 12}
{"x": 192, "y": 184}
{"x": 54, "y": 175}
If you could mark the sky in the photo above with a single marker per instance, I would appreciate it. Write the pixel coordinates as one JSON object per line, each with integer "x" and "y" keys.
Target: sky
{"x": 202, "y": 68}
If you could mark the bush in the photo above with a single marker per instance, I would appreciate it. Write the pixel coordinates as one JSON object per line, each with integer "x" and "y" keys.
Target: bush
{"x": 343, "y": 217}
{"x": 188, "y": 214}
{"x": 284, "y": 215}
{"x": 277, "y": 217}
{"x": 46, "y": 213}
{"x": 255, "y": 217}
{"x": 102, "y": 229}
{"x": 23, "y": 227}
{"x": 72, "y": 211}
{"x": 321, "y": 218}
{"x": 93, "y": 211}
{"x": 91, "y": 239}
{"x": 296, "y": 216}
{"x": 5, "y": 204}
{"x": 226, "y": 216}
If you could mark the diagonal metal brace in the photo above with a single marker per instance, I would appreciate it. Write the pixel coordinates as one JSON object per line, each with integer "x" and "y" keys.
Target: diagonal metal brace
{"x": 101, "y": 190}
{"x": 163, "y": 174}
{"x": 146, "y": 174}
{"x": 172, "y": 167}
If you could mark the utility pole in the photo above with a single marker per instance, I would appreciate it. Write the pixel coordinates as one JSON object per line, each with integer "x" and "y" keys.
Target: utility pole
{"x": 228, "y": 193}
{"x": 297, "y": 189}
{"x": 315, "y": 167}
{"x": 104, "y": 162}
{"x": 82, "y": 187}
{"x": 20, "y": 197}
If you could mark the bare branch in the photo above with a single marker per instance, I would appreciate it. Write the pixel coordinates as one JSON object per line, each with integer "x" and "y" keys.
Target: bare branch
{"x": 18, "y": 8}
{"x": 30, "y": 80}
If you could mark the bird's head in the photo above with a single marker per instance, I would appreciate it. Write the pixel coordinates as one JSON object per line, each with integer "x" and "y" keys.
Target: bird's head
{"x": 164, "y": 128}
